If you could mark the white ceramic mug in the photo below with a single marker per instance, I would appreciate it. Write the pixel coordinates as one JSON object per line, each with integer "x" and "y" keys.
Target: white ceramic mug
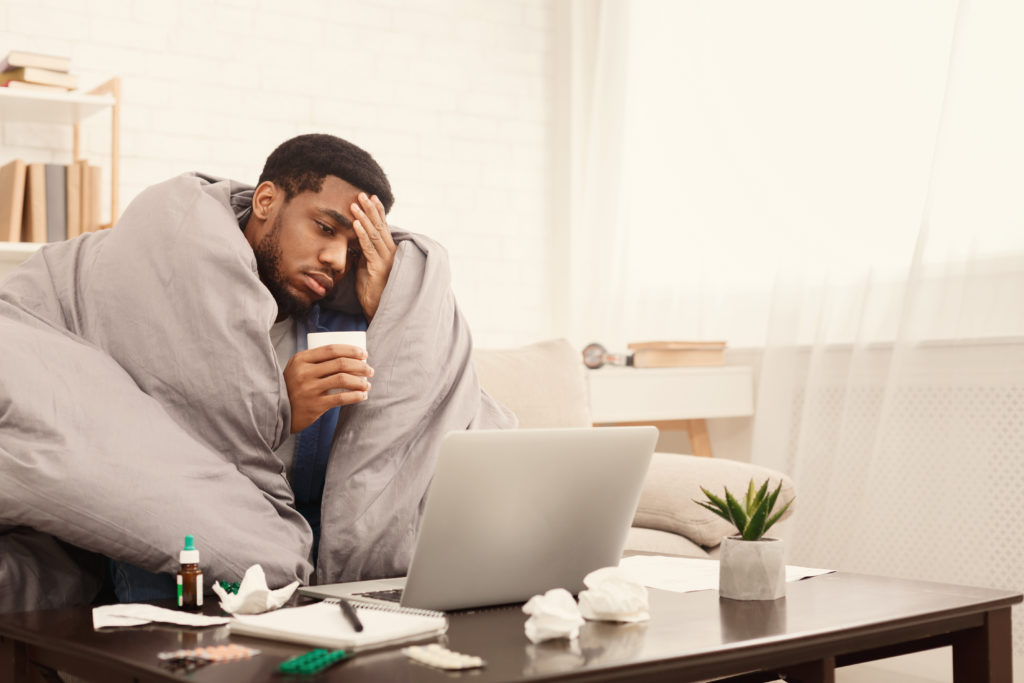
{"x": 352, "y": 338}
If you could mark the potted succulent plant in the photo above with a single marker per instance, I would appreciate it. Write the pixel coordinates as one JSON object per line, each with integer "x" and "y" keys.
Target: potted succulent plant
{"x": 751, "y": 566}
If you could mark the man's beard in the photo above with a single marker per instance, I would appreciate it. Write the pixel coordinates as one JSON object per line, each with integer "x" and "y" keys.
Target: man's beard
{"x": 268, "y": 263}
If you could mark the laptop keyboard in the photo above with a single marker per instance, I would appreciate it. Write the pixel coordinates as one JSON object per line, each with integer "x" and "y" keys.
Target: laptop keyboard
{"x": 392, "y": 595}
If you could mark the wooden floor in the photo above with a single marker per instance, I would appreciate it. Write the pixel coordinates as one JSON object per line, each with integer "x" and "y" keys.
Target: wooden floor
{"x": 934, "y": 666}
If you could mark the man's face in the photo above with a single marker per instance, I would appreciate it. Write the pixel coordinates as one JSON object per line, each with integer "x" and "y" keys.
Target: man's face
{"x": 305, "y": 245}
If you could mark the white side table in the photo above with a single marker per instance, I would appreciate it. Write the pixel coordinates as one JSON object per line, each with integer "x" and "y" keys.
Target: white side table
{"x": 671, "y": 398}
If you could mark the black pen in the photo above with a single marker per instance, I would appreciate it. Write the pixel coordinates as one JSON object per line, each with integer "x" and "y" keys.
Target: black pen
{"x": 350, "y": 614}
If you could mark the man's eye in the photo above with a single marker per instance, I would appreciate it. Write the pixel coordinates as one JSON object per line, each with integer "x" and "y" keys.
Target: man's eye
{"x": 326, "y": 229}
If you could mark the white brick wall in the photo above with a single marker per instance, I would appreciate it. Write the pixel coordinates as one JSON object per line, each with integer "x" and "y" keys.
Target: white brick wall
{"x": 453, "y": 97}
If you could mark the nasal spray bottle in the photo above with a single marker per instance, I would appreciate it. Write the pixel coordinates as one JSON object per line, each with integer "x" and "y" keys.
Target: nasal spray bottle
{"x": 190, "y": 577}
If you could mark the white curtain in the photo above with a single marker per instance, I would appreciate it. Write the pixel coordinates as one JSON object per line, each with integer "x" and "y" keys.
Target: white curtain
{"x": 838, "y": 186}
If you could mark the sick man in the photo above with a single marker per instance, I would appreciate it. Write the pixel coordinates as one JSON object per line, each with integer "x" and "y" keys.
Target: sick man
{"x": 154, "y": 382}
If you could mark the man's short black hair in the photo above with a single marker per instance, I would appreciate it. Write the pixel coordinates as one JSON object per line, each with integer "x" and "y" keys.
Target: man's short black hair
{"x": 301, "y": 164}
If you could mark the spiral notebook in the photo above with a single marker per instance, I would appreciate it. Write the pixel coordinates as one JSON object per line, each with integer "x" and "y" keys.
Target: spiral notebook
{"x": 323, "y": 624}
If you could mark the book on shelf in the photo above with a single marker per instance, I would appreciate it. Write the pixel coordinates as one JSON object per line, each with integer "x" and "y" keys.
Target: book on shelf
{"x": 12, "y": 199}
{"x": 56, "y": 203}
{"x": 22, "y": 86}
{"x": 33, "y": 74}
{"x": 42, "y": 202}
{"x": 73, "y": 198}
{"x": 677, "y": 354}
{"x": 19, "y": 58}
{"x": 322, "y": 624}
{"x": 34, "y": 215}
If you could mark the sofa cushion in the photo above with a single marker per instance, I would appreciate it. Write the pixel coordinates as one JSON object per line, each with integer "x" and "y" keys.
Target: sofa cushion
{"x": 550, "y": 370}
{"x": 673, "y": 484}
{"x": 662, "y": 542}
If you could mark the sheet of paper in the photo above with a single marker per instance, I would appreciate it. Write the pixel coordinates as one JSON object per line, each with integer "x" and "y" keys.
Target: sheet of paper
{"x": 133, "y": 614}
{"x": 684, "y": 574}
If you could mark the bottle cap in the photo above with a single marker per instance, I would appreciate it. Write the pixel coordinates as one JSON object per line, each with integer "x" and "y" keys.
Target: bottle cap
{"x": 189, "y": 555}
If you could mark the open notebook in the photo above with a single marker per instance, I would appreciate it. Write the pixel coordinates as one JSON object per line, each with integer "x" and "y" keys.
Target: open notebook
{"x": 322, "y": 624}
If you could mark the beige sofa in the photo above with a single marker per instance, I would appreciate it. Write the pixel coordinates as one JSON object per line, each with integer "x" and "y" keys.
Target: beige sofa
{"x": 545, "y": 385}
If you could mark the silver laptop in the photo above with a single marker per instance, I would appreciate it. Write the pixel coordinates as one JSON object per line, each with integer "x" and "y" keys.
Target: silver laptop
{"x": 514, "y": 513}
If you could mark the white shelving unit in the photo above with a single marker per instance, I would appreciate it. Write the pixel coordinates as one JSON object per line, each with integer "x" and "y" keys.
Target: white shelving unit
{"x": 44, "y": 107}
{"x": 69, "y": 109}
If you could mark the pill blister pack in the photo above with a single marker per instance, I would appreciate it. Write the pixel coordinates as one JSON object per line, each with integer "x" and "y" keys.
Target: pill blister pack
{"x": 187, "y": 661}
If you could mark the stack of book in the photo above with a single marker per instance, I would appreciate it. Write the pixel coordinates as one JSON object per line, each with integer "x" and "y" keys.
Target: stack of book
{"x": 48, "y": 202}
{"x": 37, "y": 72}
{"x": 677, "y": 354}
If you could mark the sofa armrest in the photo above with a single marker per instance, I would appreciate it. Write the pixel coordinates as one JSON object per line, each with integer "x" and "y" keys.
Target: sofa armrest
{"x": 673, "y": 484}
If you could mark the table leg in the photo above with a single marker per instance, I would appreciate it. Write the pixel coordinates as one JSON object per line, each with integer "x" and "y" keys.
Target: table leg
{"x": 14, "y": 665}
{"x": 985, "y": 654}
{"x": 700, "y": 444}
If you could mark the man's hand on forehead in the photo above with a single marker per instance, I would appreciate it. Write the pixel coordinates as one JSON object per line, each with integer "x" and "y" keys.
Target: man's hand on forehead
{"x": 378, "y": 249}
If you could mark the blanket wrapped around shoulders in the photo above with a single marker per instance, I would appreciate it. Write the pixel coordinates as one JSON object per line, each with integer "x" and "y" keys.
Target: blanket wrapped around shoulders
{"x": 141, "y": 400}
{"x": 385, "y": 448}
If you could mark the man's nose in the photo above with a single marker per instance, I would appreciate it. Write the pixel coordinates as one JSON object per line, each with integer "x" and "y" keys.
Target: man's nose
{"x": 334, "y": 255}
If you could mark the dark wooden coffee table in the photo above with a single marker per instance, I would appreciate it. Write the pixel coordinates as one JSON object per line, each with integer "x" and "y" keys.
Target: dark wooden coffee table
{"x": 823, "y": 622}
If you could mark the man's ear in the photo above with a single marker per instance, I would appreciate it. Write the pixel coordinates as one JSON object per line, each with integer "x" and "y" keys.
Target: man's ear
{"x": 263, "y": 199}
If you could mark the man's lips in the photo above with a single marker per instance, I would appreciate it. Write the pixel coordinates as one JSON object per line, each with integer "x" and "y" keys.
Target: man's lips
{"x": 319, "y": 283}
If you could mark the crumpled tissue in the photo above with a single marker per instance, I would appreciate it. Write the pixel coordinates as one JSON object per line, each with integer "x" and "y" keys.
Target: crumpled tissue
{"x": 612, "y": 596}
{"x": 552, "y": 615}
{"x": 253, "y": 596}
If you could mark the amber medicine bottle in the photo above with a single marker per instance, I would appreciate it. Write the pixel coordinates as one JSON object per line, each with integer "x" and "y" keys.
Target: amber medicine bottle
{"x": 190, "y": 577}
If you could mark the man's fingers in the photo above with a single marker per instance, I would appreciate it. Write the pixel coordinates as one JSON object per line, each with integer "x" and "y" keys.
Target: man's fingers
{"x": 365, "y": 241}
{"x": 341, "y": 380}
{"x": 372, "y": 210}
{"x": 330, "y": 352}
{"x": 371, "y": 217}
{"x": 347, "y": 398}
{"x": 385, "y": 228}
{"x": 348, "y": 366}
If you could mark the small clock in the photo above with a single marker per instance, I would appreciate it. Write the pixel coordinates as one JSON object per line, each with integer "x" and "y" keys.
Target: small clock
{"x": 595, "y": 356}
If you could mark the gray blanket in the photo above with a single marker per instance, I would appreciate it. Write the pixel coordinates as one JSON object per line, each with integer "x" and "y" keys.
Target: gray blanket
{"x": 385, "y": 449}
{"x": 141, "y": 400}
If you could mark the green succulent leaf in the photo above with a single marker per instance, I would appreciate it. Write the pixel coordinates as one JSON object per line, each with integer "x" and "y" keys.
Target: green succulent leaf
{"x": 739, "y": 518}
{"x": 748, "y": 504}
{"x": 756, "y": 526}
{"x": 718, "y": 502}
{"x": 708, "y": 506}
{"x": 774, "y": 498}
{"x": 778, "y": 515}
{"x": 762, "y": 492}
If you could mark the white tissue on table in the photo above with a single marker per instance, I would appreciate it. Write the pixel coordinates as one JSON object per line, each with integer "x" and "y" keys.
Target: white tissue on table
{"x": 253, "y": 596}
{"x": 612, "y": 596}
{"x": 133, "y": 614}
{"x": 552, "y": 615}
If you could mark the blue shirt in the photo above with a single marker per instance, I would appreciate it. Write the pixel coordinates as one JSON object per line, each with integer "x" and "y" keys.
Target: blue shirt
{"x": 313, "y": 444}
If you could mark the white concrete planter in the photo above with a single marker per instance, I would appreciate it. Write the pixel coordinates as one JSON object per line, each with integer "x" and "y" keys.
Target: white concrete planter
{"x": 752, "y": 570}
